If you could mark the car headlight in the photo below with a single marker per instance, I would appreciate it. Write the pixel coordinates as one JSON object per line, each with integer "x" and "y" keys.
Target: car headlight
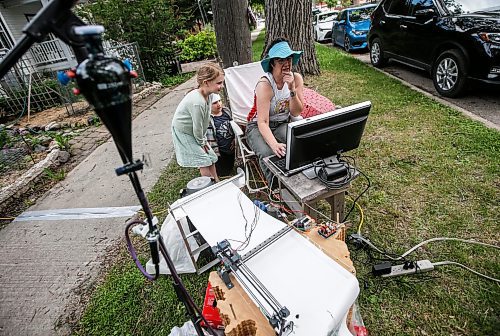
{"x": 490, "y": 37}
{"x": 358, "y": 32}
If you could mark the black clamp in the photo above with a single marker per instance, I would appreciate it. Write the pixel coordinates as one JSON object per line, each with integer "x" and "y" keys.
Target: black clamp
{"x": 129, "y": 168}
{"x": 230, "y": 260}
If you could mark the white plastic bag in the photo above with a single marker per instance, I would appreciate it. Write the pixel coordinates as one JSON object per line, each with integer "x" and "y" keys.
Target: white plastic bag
{"x": 186, "y": 330}
{"x": 176, "y": 248}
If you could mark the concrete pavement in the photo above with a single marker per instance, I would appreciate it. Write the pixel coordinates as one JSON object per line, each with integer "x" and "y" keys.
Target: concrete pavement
{"x": 44, "y": 261}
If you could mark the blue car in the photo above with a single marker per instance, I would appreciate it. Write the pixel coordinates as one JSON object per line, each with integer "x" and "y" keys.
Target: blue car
{"x": 351, "y": 27}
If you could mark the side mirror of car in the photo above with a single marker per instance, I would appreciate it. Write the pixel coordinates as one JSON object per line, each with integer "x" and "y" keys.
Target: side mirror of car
{"x": 424, "y": 14}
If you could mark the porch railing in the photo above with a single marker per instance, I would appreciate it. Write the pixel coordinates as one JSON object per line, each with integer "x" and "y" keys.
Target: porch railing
{"x": 49, "y": 52}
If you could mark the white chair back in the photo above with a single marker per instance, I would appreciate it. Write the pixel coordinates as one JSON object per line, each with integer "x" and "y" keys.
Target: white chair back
{"x": 240, "y": 85}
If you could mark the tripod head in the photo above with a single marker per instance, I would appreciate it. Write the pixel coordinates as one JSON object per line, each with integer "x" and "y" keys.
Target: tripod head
{"x": 106, "y": 84}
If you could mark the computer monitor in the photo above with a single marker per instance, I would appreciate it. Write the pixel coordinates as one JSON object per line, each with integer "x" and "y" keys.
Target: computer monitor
{"x": 325, "y": 135}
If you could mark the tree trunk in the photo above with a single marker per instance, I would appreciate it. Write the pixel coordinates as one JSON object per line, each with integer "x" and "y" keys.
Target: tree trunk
{"x": 232, "y": 31}
{"x": 292, "y": 19}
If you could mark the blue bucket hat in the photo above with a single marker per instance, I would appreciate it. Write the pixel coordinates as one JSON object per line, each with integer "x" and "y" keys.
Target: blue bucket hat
{"x": 280, "y": 50}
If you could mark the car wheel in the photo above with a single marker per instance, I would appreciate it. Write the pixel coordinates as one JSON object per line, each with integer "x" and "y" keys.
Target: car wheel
{"x": 347, "y": 44}
{"x": 449, "y": 73}
{"x": 377, "y": 54}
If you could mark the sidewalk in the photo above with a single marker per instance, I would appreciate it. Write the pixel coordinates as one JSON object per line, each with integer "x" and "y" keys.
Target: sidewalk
{"x": 44, "y": 261}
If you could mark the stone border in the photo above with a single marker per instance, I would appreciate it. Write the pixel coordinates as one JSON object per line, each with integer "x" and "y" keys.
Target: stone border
{"x": 53, "y": 159}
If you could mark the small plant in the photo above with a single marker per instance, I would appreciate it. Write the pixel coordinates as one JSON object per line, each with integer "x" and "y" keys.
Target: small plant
{"x": 4, "y": 138}
{"x": 94, "y": 120}
{"x": 33, "y": 141}
{"x": 55, "y": 175}
{"x": 170, "y": 81}
{"x": 62, "y": 141}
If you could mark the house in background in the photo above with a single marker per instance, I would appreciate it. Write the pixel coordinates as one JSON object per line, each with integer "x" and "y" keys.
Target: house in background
{"x": 31, "y": 84}
{"x": 51, "y": 54}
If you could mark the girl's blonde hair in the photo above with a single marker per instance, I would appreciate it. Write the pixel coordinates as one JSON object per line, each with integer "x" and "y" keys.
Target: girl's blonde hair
{"x": 208, "y": 72}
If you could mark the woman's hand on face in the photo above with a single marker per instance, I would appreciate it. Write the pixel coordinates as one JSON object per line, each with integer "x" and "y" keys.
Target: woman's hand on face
{"x": 279, "y": 149}
{"x": 289, "y": 79}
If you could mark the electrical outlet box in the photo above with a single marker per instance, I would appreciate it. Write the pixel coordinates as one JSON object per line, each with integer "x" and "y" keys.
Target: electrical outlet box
{"x": 421, "y": 266}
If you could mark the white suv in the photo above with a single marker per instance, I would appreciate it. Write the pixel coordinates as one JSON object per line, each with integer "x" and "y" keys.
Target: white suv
{"x": 322, "y": 24}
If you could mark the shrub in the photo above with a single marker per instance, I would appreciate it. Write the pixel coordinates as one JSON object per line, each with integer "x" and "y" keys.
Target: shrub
{"x": 198, "y": 47}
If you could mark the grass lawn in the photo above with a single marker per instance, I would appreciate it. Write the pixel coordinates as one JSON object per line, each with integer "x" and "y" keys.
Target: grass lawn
{"x": 434, "y": 173}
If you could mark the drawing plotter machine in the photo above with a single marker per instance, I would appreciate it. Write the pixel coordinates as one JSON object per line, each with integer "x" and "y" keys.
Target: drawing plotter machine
{"x": 283, "y": 272}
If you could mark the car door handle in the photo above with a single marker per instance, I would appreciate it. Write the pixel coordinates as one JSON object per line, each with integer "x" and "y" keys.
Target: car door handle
{"x": 403, "y": 26}
{"x": 382, "y": 22}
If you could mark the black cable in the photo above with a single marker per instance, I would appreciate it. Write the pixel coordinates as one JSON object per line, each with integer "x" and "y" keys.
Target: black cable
{"x": 320, "y": 169}
{"x": 253, "y": 225}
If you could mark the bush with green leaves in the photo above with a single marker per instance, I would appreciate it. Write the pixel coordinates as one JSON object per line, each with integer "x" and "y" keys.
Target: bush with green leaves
{"x": 198, "y": 47}
{"x": 154, "y": 24}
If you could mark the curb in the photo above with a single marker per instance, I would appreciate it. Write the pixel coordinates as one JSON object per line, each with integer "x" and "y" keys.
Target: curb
{"x": 53, "y": 159}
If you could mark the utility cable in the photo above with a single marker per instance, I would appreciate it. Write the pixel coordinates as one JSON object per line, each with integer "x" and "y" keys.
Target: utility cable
{"x": 370, "y": 244}
{"x": 442, "y": 263}
{"x": 403, "y": 256}
{"x": 446, "y": 238}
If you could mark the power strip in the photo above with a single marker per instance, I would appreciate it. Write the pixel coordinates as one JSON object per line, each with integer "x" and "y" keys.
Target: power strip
{"x": 422, "y": 266}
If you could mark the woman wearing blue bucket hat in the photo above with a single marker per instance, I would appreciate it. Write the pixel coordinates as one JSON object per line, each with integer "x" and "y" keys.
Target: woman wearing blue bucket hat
{"x": 278, "y": 97}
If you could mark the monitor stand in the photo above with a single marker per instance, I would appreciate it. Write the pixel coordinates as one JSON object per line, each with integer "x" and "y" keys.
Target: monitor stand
{"x": 311, "y": 174}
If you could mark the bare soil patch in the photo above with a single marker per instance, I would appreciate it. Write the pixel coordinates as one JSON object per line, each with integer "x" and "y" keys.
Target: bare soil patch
{"x": 78, "y": 117}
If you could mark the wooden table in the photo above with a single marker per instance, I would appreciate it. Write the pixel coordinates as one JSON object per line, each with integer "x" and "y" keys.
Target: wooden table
{"x": 241, "y": 316}
{"x": 308, "y": 192}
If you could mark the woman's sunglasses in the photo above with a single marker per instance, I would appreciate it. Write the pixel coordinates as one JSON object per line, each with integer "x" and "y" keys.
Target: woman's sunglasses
{"x": 282, "y": 61}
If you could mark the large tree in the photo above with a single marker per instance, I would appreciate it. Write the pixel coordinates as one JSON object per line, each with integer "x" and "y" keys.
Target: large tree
{"x": 232, "y": 31}
{"x": 292, "y": 19}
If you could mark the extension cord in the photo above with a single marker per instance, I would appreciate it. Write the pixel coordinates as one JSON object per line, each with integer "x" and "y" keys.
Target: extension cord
{"x": 422, "y": 266}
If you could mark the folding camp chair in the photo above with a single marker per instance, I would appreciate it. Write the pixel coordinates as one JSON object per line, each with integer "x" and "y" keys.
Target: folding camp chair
{"x": 240, "y": 85}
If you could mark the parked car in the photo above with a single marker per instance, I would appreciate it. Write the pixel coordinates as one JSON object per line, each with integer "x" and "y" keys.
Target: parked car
{"x": 454, "y": 40}
{"x": 322, "y": 24}
{"x": 351, "y": 27}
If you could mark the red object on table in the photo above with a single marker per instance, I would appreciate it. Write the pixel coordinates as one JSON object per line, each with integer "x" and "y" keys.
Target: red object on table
{"x": 210, "y": 311}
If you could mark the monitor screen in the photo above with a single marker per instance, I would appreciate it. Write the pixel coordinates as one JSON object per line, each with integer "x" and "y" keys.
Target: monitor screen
{"x": 325, "y": 135}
